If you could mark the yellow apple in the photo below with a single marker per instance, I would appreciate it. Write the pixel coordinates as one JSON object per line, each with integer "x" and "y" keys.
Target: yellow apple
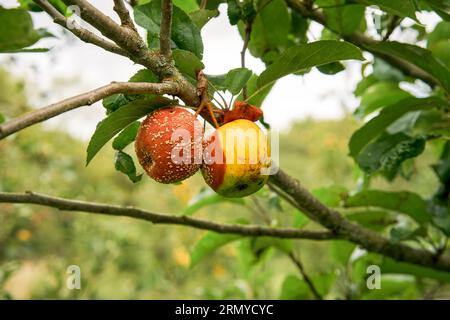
{"x": 236, "y": 159}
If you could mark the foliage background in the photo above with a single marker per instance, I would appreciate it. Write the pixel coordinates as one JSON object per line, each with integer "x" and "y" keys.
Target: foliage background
{"x": 123, "y": 258}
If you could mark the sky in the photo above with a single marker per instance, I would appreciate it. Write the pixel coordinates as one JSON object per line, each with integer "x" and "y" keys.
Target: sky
{"x": 72, "y": 67}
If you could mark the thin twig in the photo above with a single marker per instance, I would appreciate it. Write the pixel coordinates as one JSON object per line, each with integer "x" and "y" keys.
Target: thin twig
{"x": 124, "y": 15}
{"x": 84, "y": 99}
{"x": 299, "y": 265}
{"x": 156, "y": 218}
{"x": 395, "y": 20}
{"x": 430, "y": 295}
{"x": 165, "y": 30}
{"x": 203, "y": 4}
{"x": 137, "y": 49}
{"x": 83, "y": 34}
{"x": 126, "y": 38}
{"x": 262, "y": 212}
{"x": 296, "y": 260}
{"x": 282, "y": 194}
{"x": 248, "y": 31}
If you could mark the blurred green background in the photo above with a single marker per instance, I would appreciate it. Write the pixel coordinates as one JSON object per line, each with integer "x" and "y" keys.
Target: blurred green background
{"x": 124, "y": 258}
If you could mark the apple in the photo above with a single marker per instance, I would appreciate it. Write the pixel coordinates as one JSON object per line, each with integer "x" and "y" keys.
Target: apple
{"x": 236, "y": 159}
{"x": 169, "y": 144}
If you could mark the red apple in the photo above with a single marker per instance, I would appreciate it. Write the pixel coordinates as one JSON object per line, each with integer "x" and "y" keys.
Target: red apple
{"x": 169, "y": 144}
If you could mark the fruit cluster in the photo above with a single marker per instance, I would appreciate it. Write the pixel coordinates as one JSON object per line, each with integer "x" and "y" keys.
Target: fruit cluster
{"x": 234, "y": 159}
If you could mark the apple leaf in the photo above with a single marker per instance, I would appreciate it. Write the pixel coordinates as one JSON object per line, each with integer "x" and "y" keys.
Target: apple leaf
{"x": 17, "y": 31}
{"x": 124, "y": 163}
{"x": 187, "y": 62}
{"x": 185, "y": 34}
{"x": 305, "y": 56}
{"x": 420, "y": 57}
{"x": 126, "y": 136}
{"x": 402, "y": 8}
{"x": 236, "y": 79}
{"x": 387, "y": 153}
{"x": 210, "y": 242}
{"x": 207, "y": 198}
{"x": 387, "y": 116}
{"x": 405, "y": 202}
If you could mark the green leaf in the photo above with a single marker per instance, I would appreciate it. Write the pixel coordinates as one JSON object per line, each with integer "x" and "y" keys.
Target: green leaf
{"x": 299, "y": 27}
{"x": 372, "y": 219}
{"x": 209, "y": 243}
{"x": 418, "y": 56}
{"x": 404, "y": 231}
{"x": 114, "y": 102}
{"x": 330, "y": 196}
{"x": 234, "y": 11}
{"x": 331, "y": 68}
{"x": 256, "y": 96}
{"x": 440, "y": 32}
{"x": 392, "y": 266}
{"x": 144, "y": 75}
{"x": 387, "y": 153}
{"x": 248, "y": 11}
{"x": 185, "y": 34}
{"x": 17, "y": 32}
{"x": 260, "y": 244}
{"x": 440, "y": 203}
{"x": 364, "y": 84}
{"x": 208, "y": 198}
{"x": 341, "y": 251}
{"x": 438, "y": 43}
{"x": 344, "y": 20}
{"x": 405, "y": 202}
{"x": 300, "y": 220}
{"x": 387, "y": 116}
{"x": 236, "y": 79}
{"x": 270, "y": 29}
{"x": 309, "y": 55}
{"x": 125, "y": 164}
{"x": 441, "y": 7}
{"x": 403, "y": 8}
{"x": 379, "y": 95}
{"x": 187, "y": 62}
{"x": 187, "y": 6}
{"x": 293, "y": 288}
{"x": 201, "y": 17}
{"x": 127, "y": 136}
{"x": 393, "y": 287}
{"x": 2, "y": 118}
{"x": 30, "y": 5}
{"x": 116, "y": 121}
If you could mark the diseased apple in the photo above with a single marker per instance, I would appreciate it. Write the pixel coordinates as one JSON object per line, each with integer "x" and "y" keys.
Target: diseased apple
{"x": 236, "y": 159}
{"x": 169, "y": 144}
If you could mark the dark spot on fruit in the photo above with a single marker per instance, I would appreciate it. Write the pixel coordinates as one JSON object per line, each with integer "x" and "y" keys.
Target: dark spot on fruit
{"x": 242, "y": 186}
{"x": 260, "y": 182}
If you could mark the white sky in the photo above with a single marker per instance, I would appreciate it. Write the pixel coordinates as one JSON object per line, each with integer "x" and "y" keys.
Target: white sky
{"x": 72, "y": 67}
